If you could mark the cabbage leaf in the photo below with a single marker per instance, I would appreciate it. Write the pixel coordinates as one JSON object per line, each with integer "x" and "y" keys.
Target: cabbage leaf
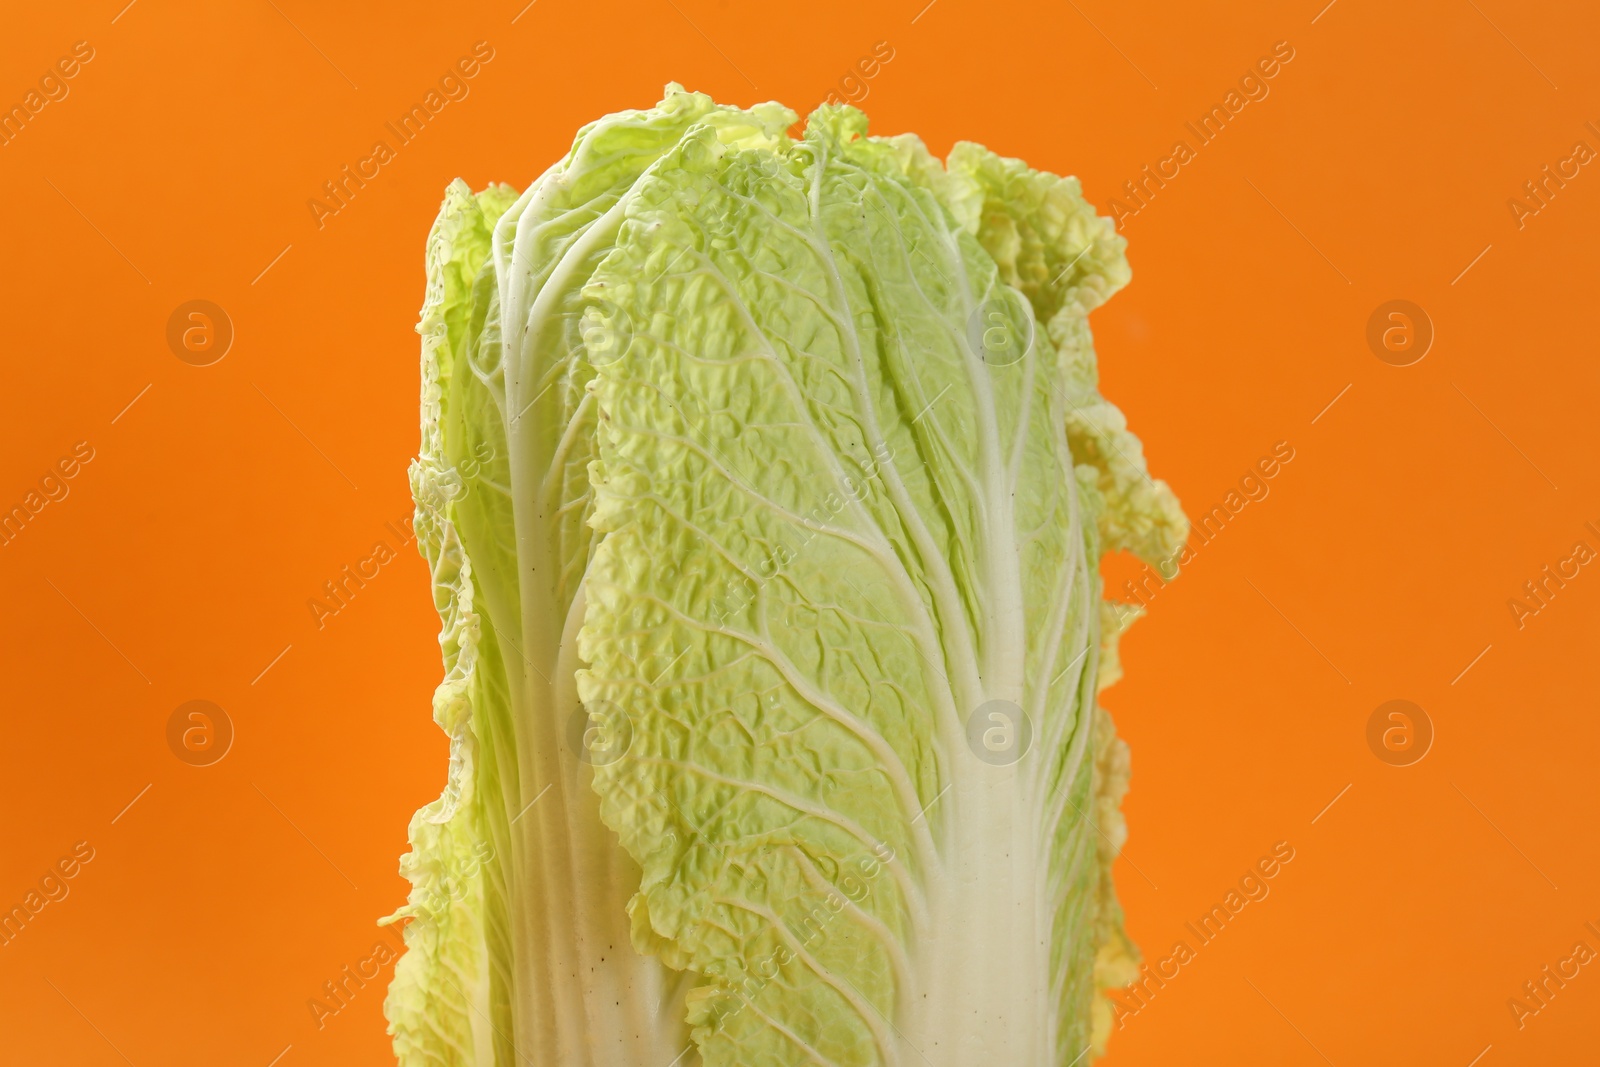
{"x": 764, "y": 482}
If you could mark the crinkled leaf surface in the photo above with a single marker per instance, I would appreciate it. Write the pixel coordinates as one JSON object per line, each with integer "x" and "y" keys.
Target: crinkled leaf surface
{"x": 842, "y": 525}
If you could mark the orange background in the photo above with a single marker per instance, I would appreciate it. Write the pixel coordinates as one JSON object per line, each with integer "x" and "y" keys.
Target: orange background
{"x": 180, "y": 564}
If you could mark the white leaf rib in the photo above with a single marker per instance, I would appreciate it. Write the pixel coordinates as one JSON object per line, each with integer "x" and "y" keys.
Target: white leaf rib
{"x": 569, "y": 438}
{"x": 1064, "y": 602}
{"x": 896, "y": 571}
{"x": 996, "y": 574}
{"x": 908, "y": 368}
{"x": 558, "y": 833}
{"x": 1030, "y": 360}
{"x": 795, "y": 803}
{"x": 934, "y": 425}
{"x": 892, "y": 947}
{"x": 888, "y": 761}
{"x": 937, "y": 573}
{"x": 1061, "y": 798}
{"x": 794, "y": 518}
{"x": 1077, "y": 704}
{"x": 811, "y": 1053}
{"x": 869, "y": 1015}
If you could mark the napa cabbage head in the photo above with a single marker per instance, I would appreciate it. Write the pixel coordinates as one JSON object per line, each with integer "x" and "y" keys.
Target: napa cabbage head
{"x": 764, "y": 482}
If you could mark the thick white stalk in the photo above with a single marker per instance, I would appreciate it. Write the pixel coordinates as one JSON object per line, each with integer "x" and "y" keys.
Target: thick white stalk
{"x": 633, "y": 1006}
{"x": 583, "y": 995}
{"x": 985, "y": 989}
{"x": 983, "y": 974}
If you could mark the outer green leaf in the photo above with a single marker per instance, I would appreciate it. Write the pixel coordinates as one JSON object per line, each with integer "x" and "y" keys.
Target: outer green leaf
{"x": 834, "y": 533}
